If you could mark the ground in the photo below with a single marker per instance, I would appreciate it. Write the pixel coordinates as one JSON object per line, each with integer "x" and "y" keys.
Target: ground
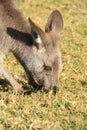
{"x": 67, "y": 110}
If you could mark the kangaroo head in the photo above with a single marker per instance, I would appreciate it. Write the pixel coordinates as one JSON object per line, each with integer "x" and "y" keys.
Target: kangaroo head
{"x": 40, "y": 51}
{"x": 47, "y": 60}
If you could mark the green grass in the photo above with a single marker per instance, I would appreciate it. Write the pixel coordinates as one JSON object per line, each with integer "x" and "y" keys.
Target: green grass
{"x": 67, "y": 110}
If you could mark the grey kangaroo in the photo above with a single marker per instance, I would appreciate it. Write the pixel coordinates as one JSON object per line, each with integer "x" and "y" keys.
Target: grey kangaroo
{"x": 37, "y": 50}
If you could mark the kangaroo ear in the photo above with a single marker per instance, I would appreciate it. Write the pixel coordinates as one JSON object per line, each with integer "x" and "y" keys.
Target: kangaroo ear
{"x": 55, "y": 22}
{"x": 36, "y": 32}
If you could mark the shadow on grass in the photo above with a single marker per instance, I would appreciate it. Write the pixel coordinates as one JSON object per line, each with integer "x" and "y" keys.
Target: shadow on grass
{"x": 4, "y": 85}
{"x": 27, "y": 89}
{"x": 32, "y": 89}
{"x": 84, "y": 83}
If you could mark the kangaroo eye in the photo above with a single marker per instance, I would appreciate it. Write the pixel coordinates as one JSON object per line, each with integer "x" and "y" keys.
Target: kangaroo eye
{"x": 47, "y": 68}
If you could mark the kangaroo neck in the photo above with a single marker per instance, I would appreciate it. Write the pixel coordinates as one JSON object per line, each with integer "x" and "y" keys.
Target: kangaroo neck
{"x": 24, "y": 54}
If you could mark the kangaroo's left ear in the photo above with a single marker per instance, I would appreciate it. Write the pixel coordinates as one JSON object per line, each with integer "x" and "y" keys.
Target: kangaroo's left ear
{"x": 36, "y": 32}
{"x": 55, "y": 22}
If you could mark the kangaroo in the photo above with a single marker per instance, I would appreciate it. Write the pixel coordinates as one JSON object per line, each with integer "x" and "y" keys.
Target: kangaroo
{"x": 37, "y": 50}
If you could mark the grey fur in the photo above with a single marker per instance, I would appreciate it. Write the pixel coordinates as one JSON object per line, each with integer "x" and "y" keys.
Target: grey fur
{"x": 36, "y": 50}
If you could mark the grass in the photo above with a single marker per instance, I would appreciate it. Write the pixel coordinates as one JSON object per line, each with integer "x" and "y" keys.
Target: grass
{"x": 67, "y": 110}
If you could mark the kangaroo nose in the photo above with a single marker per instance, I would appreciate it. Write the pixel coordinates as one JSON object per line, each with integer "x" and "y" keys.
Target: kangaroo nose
{"x": 55, "y": 89}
